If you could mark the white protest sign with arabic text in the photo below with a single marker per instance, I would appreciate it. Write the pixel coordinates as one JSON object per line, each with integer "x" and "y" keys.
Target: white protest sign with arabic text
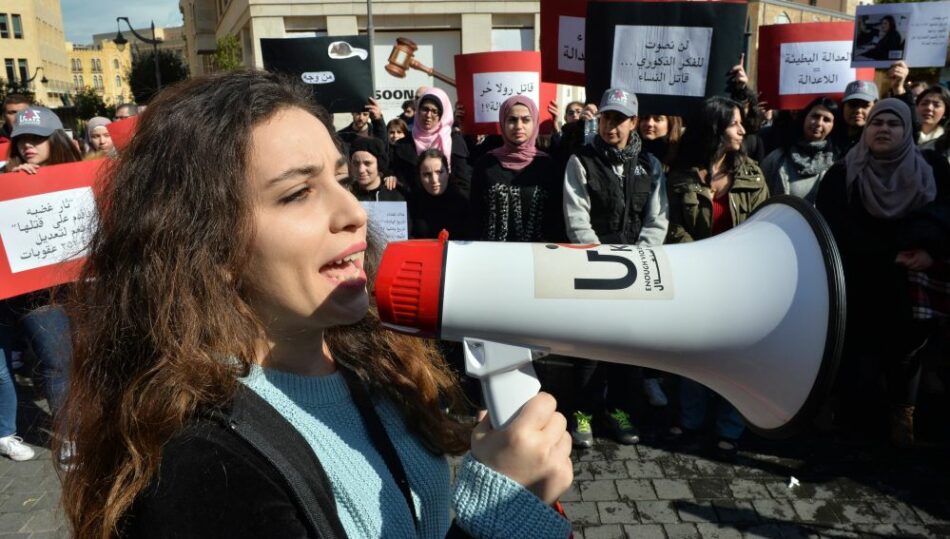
{"x": 43, "y": 230}
{"x": 493, "y": 89}
{"x": 664, "y": 60}
{"x": 389, "y": 219}
{"x": 815, "y": 67}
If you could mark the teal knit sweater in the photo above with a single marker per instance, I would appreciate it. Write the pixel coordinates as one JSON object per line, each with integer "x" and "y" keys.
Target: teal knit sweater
{"x": 368, "y": 500}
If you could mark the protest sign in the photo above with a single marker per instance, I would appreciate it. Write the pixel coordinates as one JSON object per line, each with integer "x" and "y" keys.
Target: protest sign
{"x": 45, "y": 222}
{"x": 122, "y": 130}
{"x": 671, "y": 54}
{"x": 562, "y": 41}
{"x": 435, "y": 49}
{"x": 4, "y": 152}
{"x": 389, "y": 220}
{"x": 798, "y": 62}
{"x": 916, "y": 33}
{"x": 486, "y": 79}
{"x": 337, "y": 68}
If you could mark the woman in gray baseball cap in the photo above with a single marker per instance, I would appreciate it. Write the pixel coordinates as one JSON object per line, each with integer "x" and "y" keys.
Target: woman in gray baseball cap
{"x": 38, "y": 140}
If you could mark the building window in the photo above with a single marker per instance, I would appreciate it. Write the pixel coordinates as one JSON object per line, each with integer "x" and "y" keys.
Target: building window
{"x": 81, "y": 82}
{"x": 118, "y": 81}
{"x": 17, "y": 27}
{"x": 77, "y": 64}
{"x": 783, "y": 18}
{"x": 76, "y": 82}
{"x": 115, "y": 63}
{"x": 24, "y": 69}
{"x": 4, "y": 25}
{"x": 11, "y": 69}
{"x": 96, "y": 65}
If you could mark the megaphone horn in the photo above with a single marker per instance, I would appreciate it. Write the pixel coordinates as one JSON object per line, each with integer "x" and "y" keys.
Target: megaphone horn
{"x": 757, "y": 313}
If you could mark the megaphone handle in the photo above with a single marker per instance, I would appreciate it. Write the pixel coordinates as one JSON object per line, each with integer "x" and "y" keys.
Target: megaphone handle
{"x": 506, "y": 392}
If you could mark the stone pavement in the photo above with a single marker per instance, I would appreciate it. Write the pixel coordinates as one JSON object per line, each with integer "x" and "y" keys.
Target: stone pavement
{"x": 849, "y": 487}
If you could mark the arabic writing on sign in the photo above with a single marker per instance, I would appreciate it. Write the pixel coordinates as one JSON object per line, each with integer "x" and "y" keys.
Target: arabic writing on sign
{"x": 390, "y": 220}
{"x": 318, "y": 77}
{"x": 570, "y": 46}
{"x": 815, "y": 67}
{"x": 666, "y": 60}
{"x": 46, "y": 229}
{"x": 492, "y": 89}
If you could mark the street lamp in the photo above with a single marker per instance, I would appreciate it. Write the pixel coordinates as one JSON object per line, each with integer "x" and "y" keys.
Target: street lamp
{"x": 44, "y": 80}
{"x": 120, "y": 42}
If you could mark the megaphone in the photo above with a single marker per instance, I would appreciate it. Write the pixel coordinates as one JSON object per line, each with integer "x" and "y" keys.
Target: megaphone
{"x": 757, "y": 314}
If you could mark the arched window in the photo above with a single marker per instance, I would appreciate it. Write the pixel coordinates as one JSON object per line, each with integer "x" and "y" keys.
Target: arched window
{"x": 115, "y": 63}
{"x": 118, "y": 81}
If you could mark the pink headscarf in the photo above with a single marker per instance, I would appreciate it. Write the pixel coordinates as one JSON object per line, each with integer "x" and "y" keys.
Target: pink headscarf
{"x": 440, "y": 137}
{"x": 517, "y": 156}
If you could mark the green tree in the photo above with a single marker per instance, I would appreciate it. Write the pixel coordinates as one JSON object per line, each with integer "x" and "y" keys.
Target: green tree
{"x": 141, "y": 75}
{"x": 16, "y": 87}
{"x": 228, "y": 55}
{"x": 88, "y": 103}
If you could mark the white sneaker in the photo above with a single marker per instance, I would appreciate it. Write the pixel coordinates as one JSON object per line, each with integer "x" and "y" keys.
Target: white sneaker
{"x": 13, "y": 447}
{"x": 651, "y": 386}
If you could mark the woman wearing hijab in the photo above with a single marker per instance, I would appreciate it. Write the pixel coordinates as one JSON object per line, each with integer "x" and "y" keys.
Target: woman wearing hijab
{"x": 515, "y": 193}
{"x": 798, "y": 167}
{"x": 887, "y": 204}
{"x": 98, "y": 140}
{"x": 432, "y": 130}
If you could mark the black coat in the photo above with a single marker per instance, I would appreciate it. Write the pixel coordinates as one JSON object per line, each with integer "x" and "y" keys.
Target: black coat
{"x": 877, "y": 296}
{"x": 499, "y": 196}
{"x": 404, "y": 165}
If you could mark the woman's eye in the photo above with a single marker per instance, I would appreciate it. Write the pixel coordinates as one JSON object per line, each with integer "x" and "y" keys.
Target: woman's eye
{"x": 296, "y": 196}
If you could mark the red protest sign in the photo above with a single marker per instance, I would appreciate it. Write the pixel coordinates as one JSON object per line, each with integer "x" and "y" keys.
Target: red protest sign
{"x": 122, "y": 130}
{"x": 799, "y": 62}
{"x": 485, "y": 80}
{"x": 562, "y": 41}
{"x": 45, "y": 222}
{"x": 5, "y": 150}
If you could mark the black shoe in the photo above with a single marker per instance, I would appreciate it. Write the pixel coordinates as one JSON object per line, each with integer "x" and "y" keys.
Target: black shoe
{"x": 621, "y": 429}
{"x": 726, "y": 450}
{"x": 581, "y": 432}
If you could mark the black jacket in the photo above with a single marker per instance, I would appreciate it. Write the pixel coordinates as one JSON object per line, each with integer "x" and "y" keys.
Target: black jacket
{"x": 242, "y": 471}
{"x": 405, "y": 159}
{"x": 877, "y": 297}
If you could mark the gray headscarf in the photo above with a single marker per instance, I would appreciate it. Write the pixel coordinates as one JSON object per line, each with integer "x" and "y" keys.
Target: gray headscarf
{"x": 93, "y": 123}
{"x": 893, "y": 184}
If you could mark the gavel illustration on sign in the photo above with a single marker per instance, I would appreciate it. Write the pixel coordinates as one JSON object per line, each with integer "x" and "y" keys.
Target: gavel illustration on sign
{"x": 401, "y": 59}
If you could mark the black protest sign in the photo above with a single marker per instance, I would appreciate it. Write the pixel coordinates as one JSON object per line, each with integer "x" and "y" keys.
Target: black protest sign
{"x": 671, "y": 54}
{"x": 337, "y": 68}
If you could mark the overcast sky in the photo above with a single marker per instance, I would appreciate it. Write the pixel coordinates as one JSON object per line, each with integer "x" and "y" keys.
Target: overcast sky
{"x": 82, "y": 18}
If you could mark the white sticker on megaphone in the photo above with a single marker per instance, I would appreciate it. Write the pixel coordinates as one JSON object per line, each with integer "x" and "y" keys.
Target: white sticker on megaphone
{"x": 601, "y": 272}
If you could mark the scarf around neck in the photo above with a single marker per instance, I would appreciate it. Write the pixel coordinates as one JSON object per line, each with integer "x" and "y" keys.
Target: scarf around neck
{"x": 617, "y": 156}
{"x": 511, "y": 155}
{"x": 893, "y": 184}
{"x": 812, "y": 158}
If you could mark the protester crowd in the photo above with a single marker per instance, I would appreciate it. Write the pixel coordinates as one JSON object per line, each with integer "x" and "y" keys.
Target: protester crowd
{"x": 876, "y": 165}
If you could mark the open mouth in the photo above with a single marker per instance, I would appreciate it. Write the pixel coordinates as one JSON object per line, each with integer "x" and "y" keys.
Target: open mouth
{"x": 347, "y": 271}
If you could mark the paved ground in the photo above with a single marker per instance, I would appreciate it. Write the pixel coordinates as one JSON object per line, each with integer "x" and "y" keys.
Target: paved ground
{"x": 849, "y": 487}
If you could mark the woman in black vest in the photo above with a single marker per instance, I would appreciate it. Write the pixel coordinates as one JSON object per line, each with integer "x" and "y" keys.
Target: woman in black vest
{"x": 613, "y": 193}
{"x": 713, "y": 188}
{"x": 516, "y": 195}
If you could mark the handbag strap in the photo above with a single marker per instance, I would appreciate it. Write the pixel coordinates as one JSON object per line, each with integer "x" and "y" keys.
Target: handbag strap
{"x": 377, "y": 433}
